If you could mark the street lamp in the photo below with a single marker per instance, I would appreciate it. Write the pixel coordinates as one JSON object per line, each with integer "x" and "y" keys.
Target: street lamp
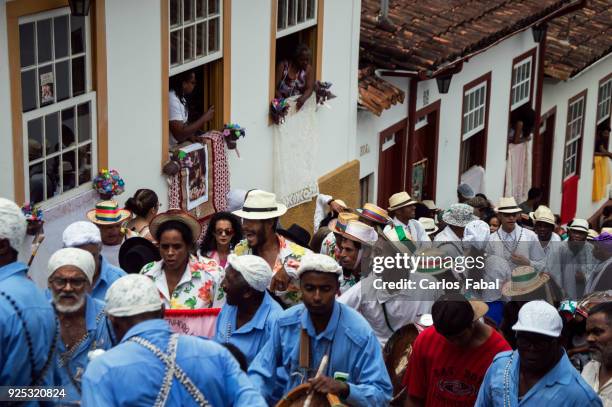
{"x": 443, "y": 82}
{"x": 539, "y": 32}
{"x": 79, "y": 8}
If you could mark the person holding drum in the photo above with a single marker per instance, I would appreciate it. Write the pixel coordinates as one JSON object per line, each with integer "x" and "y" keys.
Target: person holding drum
{"x": 323, "y": 343}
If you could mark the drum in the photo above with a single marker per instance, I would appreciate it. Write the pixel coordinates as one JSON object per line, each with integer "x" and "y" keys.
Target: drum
{"x": 396, "y": 354}
{"x": 297, "y": 398}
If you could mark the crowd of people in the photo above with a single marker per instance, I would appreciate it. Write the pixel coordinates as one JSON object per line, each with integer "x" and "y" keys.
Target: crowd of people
{"x": 310, "y": 314}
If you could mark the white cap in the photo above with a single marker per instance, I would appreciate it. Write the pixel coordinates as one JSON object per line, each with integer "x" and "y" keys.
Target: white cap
{"x": 579, "y": 225}
{"x": 318, "y": 262}
{"x": 539, "y": 317}
{"x": 255, "y": 270}
{"x": 132, "y": 295}
{"x": 79, "y": 258}
{"x": 80, "y": 233}
{"x": 12, "y": 223}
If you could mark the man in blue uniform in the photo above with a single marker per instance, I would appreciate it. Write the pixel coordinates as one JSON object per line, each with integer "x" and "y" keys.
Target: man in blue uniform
{"x": 322, "y": 327}
{"x": 85, "y": 235}
{"x": 28, "y": 330}
{"x": 153, "y": 366}
{"x": 247, "y": 318}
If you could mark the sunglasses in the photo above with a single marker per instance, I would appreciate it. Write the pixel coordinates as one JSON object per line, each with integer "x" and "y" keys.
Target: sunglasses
{"x": 224, "y": 232}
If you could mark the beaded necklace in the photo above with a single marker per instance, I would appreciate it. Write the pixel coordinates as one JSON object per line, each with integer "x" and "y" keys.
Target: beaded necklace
{"x": 516, "y": 242}
{"x": 507, "y": 381}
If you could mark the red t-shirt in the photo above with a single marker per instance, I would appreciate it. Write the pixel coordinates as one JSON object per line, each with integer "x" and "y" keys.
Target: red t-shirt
{"x": 442, "y": 374}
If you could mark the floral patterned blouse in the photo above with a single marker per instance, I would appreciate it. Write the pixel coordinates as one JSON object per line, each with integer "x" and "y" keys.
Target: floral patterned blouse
{"x": 328, "y": 246}
{"x": 200, "y": 286}
{"x": 346, "y": 283}
{"x": 289, "y": 257}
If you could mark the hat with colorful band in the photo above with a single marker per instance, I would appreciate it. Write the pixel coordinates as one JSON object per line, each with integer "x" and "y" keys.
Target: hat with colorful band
{"x": 343, "y": 219}
{"x": 431, "y": 262}
{"x": 524, "y": 280}
{"x": 107, "y": 213}
{"x": 374, "y": 213}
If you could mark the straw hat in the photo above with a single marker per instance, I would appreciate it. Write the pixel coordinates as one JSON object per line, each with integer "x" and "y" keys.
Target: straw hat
{"x": 431, "y": 205}
{"x": 429, "y": 225}
{"x": 508, "y": 205}
{"x": 260, "y": 205}
{"x": 374, "y": 213}
{"x": 593, "y": 234}
{"x": 179, "y": 216}
{"x": 524, "y": 280}
{"x": 430, "y": 262}
{"x": 360, "y": 232}
{"x": 579, "y": 225}
{"x": 400, "y": 200}
{"x": 108, "y": 213}
{"x": 543, "y": 214}
{"x": 339, "y": 225}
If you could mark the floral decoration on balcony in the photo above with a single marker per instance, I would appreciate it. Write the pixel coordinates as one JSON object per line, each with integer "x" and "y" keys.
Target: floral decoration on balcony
{"x": 108, "y": 183}
{"x": 323, "y": 93}
{"x": 34, "y": 217}
{"x": 278, "y": 110}
{"x": 232, "y": 132}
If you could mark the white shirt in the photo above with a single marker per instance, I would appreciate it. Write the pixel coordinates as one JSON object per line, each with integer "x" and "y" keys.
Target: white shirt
{"x": 595, "y": 276}
{"x": 447, "y": 235}
{"x": 590, "y": 374}
{"x": 178, "y": 112}
{"x": 414, "y": 227}
{"x": 520, "y": 241}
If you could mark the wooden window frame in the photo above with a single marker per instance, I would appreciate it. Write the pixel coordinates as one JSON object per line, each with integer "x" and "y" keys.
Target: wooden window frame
{"x": 220, "y": 71}
{"x": 318, "y": 53}
{"x": 580, "y": 139}
{"x": 517, "y": 61}
{"x": 484, "y": 78}
{"x": 14, "y": 11}
{"x": 606, "y": 80}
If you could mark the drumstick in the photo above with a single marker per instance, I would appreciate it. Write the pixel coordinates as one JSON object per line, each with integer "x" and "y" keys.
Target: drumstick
{"x": 322, "y": 367}
{"x": 38, "y": 239}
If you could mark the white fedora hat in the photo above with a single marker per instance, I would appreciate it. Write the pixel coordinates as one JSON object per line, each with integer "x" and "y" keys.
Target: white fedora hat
{"x": 360, "y": 232}
{"x": 429, "y": 225}
{"x": 508, "y": 205}
{"x": 431, "y": 205}
{"x": 260, "y": 205}
{"x": 579, "y": 225}
{"x": 400, "y": 200}
{"x": 543, "y": 214}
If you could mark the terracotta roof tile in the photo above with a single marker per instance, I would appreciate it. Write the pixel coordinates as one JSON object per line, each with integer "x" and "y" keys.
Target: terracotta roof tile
{"x": 577, "y": 40}
{"x": 376, "y": 94}
{"x": 425, "y": 35}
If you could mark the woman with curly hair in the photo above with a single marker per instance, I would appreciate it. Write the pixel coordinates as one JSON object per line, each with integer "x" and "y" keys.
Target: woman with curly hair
{"x": 223, "y": 233}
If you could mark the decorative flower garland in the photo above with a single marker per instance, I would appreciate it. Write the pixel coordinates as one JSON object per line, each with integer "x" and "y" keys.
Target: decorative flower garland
{"x": 278, "y": 110}
{"x": 108, "y": 183}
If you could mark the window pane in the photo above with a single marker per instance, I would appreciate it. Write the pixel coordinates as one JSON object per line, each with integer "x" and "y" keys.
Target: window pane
{"x": 37, "y": 183}
{"x": 84, "y": 122}
{"x": 78, "y": 76}
{"x": 213, "y": 35}
{"x": 35, "y": 139}
{"x": 28, "y": 90}
{"x": 68, "y": 130}
{"x": 281, "y": 20}
{"x": 62, "y": 84}
{"x": 175, "y": 47}
{"x": 200, "y": 9}
{"x": 53, "y": 180}
{"x": 52, "y": 132}
{"x": 44, "y": 37}
{"x": 84, "y": 164}
{"x": 482, "y": 96}
{"x": 27, "y": 51}
{"x": 60, "y": 30}
{"x": 301, "y": 11}
{"x": 175, "y": 12}
{"x": 47, "y": 85}
{"x": 201, "y": 39}
{"x": 292, "y": 11}
{"x": 188, "y": 46}
{"x": 465, "y": 103}
{"x": 311, "y": 9}
{"x": 77, "y": 36}
{"x": 213, "y": 7}
{"x": 68, "y": 170}
{"x": 188, "y": 8}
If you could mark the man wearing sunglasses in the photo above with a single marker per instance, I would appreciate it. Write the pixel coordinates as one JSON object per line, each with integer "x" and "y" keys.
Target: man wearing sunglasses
{"x": 539, "y": 372}
{"x": 83, "y": 326}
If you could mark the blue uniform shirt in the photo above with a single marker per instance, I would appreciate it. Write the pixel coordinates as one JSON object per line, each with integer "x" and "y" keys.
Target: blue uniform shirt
{"x": 108, "y": 275}
{"x": 353, "y": 349}
{"x": 561, "y": 386}
{"x": 98, "y": 337}
{"x": 131, "y": 375}
{"x": 15, "y": 365}
{"x": 250, "y": 337}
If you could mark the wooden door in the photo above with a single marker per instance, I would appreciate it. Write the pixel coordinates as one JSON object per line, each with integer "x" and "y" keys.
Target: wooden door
{"x": 547, "y": 135}
{"x": 390, "y": 162}
{"x": 423, "y": 155}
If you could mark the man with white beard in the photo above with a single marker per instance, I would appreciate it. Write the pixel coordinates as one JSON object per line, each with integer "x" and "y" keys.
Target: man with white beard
{"x": 83, "y": 326}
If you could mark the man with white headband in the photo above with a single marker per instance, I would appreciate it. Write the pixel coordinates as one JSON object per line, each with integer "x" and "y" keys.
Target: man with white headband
{"x": 249, "y": 313}
{"x": 321, "y": 327}
{"x": 82, "y": 319}
{"x": 354, "y": 252}
{"x": 28, "y": 329}
{"x": 153, "y": 366}
{"x": 85, "y": 235}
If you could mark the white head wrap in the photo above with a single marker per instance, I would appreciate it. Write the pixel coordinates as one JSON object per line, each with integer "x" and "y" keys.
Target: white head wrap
{"x": 253, "y": 269}
{"x": 477, "y": 232}
{"x": 132, "y": 295}
{"x": 72, "y": 257}
{"x": 12, "y": 223}
{"x": 80, "y": 233}
{"x": 318, "y": 262}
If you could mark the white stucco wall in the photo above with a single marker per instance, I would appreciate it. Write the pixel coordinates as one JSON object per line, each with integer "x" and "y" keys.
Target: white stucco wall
{"x": 557, "y": 93}
{"x": 498, "y": 60}
{"x": 6, "y": 138}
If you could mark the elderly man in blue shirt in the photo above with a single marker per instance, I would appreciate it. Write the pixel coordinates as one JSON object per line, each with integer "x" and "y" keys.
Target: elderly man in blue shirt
{"x": 247, "y": 318}
{"x": 82, "y": 319}
{"x": 539, "y": 372}
{"x": 28, "y": 330}
{"x": 355, "y": 372}
{"x": 85, "y": 235}
{"x": 153, "y": 366}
